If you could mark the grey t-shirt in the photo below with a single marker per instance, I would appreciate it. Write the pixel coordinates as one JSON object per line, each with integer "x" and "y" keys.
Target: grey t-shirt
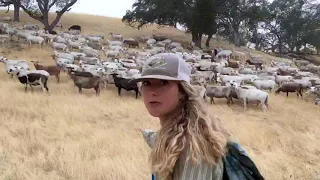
{"x": 184, "y": 169}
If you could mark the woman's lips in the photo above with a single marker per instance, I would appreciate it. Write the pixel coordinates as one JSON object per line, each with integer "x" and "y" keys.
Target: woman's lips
{"x": 154, "y": 103}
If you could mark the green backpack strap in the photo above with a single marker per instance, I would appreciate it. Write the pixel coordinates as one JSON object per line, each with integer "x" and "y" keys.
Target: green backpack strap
{"x": 238, "y": 165}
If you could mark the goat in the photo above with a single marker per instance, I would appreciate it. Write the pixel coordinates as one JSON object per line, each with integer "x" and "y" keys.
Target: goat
{"x": 86, "y": 82}
{"x": 79, "y": 73}
{"x": 33, "y": 79}
{"x": 290, "y": 87}
{"x": 131, "y": 43}
{"x": 52, "y": 70}
{"x": 218, "y": 92}
{"x": 256, "y": 64}
{"x": 125, "y": 84}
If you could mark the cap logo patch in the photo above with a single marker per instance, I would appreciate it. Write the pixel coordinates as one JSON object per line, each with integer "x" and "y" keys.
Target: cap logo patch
{"x": 158, "y": 63}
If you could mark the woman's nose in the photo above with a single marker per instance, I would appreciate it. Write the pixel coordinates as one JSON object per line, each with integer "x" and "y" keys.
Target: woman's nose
{"x": 153, "y": 91}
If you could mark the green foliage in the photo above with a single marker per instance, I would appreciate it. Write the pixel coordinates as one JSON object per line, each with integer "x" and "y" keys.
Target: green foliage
{"x": 198, "y": 16}
{"x": 290, "y": 24}
{"x": 39, "y": 9}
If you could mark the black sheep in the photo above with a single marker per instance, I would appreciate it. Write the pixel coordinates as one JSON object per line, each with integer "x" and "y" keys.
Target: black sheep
{"x": 75, "y": 27}
{"x": 290, "y": 87}
{"x": 122, "y": 83}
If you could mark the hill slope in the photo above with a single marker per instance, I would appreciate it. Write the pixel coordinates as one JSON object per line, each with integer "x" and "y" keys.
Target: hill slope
{"x": 72, "y": 136}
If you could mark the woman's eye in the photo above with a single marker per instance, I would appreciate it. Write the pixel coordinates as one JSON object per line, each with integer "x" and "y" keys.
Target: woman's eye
{"x": 145, "y": 83}
{"x": 164, "y": 82}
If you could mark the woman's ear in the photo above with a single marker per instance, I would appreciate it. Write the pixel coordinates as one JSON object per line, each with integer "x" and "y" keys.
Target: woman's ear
{"x": 182, "y": 96}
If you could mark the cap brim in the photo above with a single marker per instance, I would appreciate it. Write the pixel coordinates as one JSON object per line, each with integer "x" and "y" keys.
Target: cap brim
{"x": 154, "y": 77}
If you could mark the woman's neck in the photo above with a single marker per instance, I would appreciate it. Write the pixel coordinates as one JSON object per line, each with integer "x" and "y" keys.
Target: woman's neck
{"x": 162, "y": 121}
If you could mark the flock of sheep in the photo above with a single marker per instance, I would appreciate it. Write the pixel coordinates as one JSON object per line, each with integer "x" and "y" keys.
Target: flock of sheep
{"x": 79, "y": 56}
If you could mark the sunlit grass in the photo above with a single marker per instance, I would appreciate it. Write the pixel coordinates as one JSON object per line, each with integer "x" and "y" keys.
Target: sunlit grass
{"x": 71, "y": 136}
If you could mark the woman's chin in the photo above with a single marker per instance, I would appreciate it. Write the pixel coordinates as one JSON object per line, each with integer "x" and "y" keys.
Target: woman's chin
{"x": 155, "y": 113}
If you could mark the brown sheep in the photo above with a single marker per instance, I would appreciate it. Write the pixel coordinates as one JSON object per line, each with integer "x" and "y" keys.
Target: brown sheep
{"x": 96, "y": 46}
{"x": 285, "y": 72}
{"x": 159, "y": 37}
{"x": 290, "y": 87}
{"x": 256, "y": 64}
{"x": 233, "y": 64}
{"x": 131, "y": 43}
{"x": 52, "y": 70}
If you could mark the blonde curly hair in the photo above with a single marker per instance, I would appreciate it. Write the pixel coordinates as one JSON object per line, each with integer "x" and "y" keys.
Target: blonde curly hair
{"x": 189, "y": 124}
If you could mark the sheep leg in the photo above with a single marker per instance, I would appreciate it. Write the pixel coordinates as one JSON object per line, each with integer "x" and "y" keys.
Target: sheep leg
{"x": 204, "y": 98}
{"x": 287, "y": 93}
{"x": 97, "y": 89}
{"x": 245, "y": 104}
{"x": 45, "y": 86}
{"x": 26, "y": 87}
{"x": 300, "y": 93}
{"x": 228, "y": 101}
{"x": 264, "y": 107}
{"x": 80, "y": 90}
{"x": 136, "y": 93}
{"x": 31, "y": 88}
{"x": 211, "y": 100}
{"x": 119, "y": 91}
{"x": 58, "y": 77}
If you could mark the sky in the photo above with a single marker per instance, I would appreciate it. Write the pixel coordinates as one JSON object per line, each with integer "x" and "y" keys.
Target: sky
{"x": 110, "y": 8}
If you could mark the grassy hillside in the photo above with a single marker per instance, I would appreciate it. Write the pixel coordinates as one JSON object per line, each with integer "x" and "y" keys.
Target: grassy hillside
{"x": 83, "y": 137}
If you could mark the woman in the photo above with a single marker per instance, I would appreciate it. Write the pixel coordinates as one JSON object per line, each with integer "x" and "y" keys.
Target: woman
{"x": 190, "y": 144}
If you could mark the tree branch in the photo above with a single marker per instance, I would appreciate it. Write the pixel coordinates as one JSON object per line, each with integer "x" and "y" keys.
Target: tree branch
{"x": 40, "y": 5}
{"x": 5, "y": 3}
{"x": 30, "y": 13}
{"x": 52, "y": 4}
{"x": 60, "y": 13}
{"x": 67, "y": 7}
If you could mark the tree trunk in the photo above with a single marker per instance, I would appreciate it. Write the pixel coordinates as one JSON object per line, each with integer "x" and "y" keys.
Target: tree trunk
{"x": 45, "y": 20}
{"x": 258, "y": 47}
{"x": 208, "y": 40}
{"x": 280, "y": 48}
{"x": 196, "y": 38}
{"x": 16, "y": 13}
{"x": 236, "y": 38}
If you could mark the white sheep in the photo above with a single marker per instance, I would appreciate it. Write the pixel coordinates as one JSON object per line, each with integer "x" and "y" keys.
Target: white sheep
{"x": 264, "y": 84}
{"x": 91, "y": 52}
{"x": 61, "y": 46}
{"x": 35, "y": 39}
{"x": 63, "y": 55}
{"x": 31, "y": 27}
{"x": 7, "y": 18}
{"x": 116, "y": 36}
{"x": 114, "y": 43}
{"x": 74, "y": 45}
{"x": 112, "y": 53}
{"x": 248, "y": 94}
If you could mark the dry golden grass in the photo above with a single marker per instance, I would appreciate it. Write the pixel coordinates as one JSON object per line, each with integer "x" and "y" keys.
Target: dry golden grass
{"x": 70, "y": 136}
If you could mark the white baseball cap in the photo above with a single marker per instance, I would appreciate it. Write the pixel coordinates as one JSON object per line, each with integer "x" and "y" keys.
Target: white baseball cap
{"x": 165, "y": 66}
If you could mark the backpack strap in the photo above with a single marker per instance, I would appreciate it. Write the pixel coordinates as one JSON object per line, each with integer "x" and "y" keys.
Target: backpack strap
{"x": 238, "y": 165}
